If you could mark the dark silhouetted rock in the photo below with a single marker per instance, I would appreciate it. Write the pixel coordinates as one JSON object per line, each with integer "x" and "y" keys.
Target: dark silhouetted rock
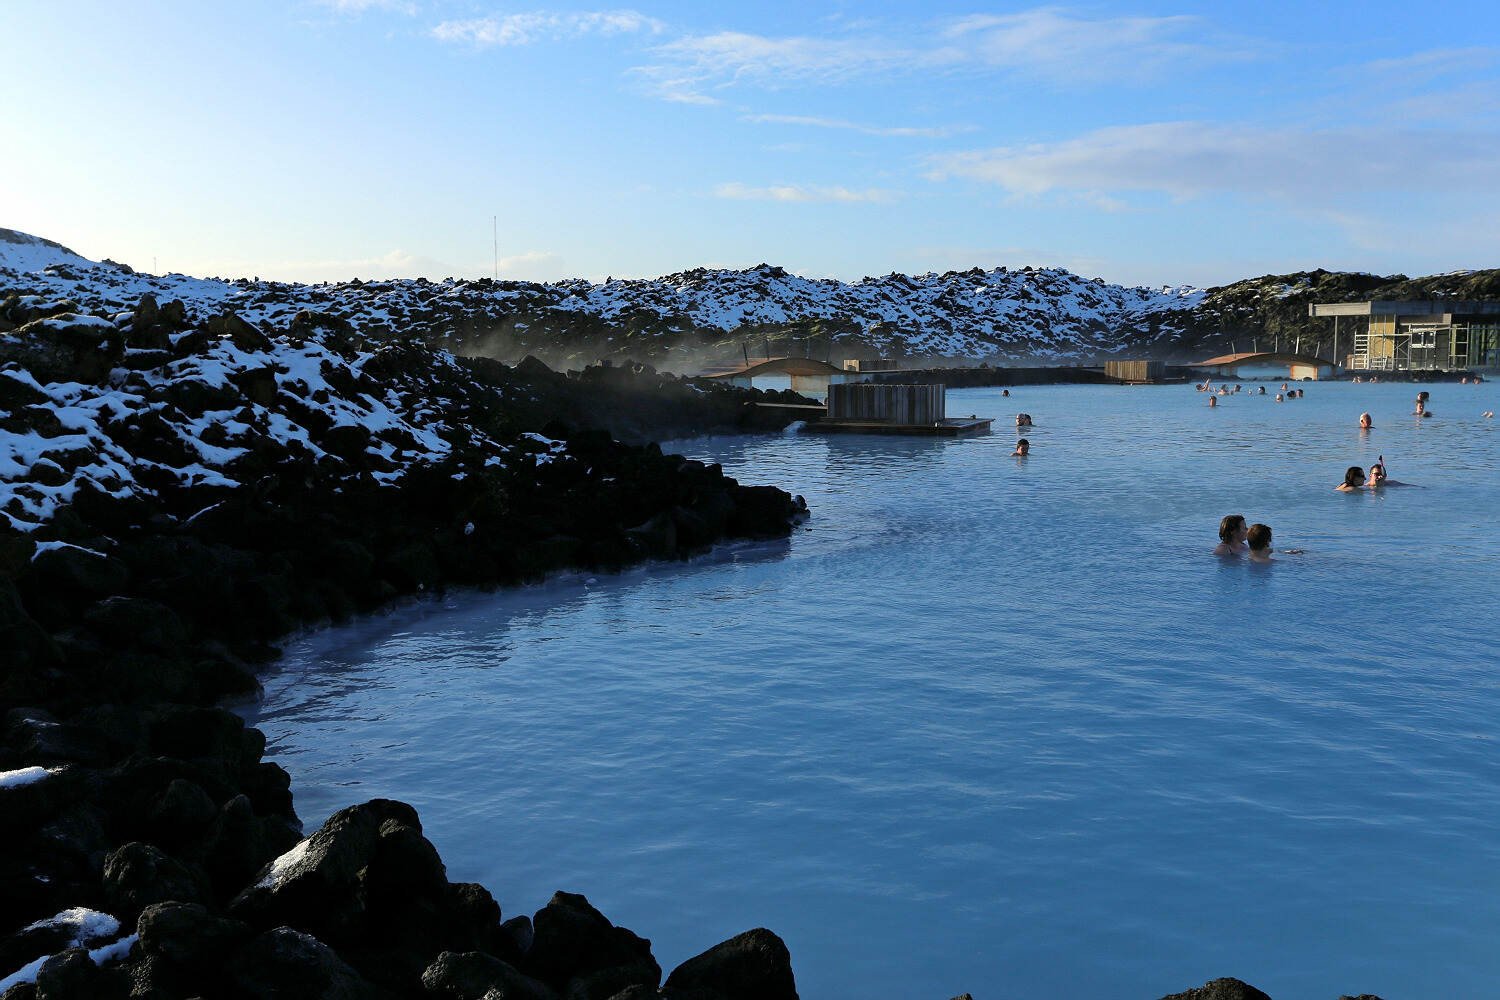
{"x": 81, "y": 570}
{"x": 285, "y": 964}
{"x": 754, "y": 965}
{"x": 316, "y": 885}
{"x": 135, "y": 621}
{"x": 1221, "y": 989}
{"x": 138, "y": 875}
{"x": 192, "y": 940}
{"x": 572, "y": 939}
{"x": 239, "y": 844}
{"x": 476, "y": 976}
{"x": 182, "y": 814}
{"x": 68, "y": 975}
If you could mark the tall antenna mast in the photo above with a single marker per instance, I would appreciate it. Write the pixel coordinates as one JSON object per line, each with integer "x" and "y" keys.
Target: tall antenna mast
{"x": 495, "y": 225}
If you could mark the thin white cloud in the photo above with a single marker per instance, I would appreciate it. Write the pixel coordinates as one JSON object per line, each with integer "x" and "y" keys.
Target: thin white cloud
{"x": 406, "y": 7}
{"x": 834, "y": 123}
{"x": 1188, "y": 159}
{"x": 802, "y": 193}
{"x": 1052, "y": 45}
{"x": 1432, "y": 63}
{"x": 523, "y": 29}
{"x": 1046, "y": 44}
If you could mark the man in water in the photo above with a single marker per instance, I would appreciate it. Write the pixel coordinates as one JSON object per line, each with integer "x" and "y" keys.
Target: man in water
{"x": 1213, "y": 400}
{"x": 1023, "y": 448}
{"x": 1259, "y": 540}
{"x": 1023, "y": 420}
{"x": 1365, "y": 423}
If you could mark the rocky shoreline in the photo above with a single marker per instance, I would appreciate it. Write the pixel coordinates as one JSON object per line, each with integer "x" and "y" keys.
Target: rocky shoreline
{"x": 179, "y": 493}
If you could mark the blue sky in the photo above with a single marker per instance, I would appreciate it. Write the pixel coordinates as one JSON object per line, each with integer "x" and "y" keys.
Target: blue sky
{"x": 1145, "y": 142}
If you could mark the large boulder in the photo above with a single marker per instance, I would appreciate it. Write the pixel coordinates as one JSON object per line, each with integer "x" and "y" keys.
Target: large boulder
{"x": 65, "y": 348}
{"x": 240, "y": 844}
{"x": 138, "y": 875}
{"x": 82, "y": 571}
{"x": 754, "y": 965}
{"x": 286, "y": 964}
{"x": 476, "y": 976}
{"x": 1221, "y": 989}
{"x": 190, "y": 938}
{"x": 572, "y": 941}
{"x": 317, "y": 886}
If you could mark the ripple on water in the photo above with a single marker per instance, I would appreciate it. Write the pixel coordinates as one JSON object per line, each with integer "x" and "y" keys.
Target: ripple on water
{"x": 992, "y": 725}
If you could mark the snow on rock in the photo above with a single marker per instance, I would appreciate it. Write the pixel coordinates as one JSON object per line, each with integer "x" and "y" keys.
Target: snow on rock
{"x": 1047, "y": 312}
{"x": 22, "y": 776}
{"x": 81, "y": 927}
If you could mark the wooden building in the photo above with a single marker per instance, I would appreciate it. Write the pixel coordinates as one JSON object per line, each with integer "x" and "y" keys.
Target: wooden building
{"x": 1402, "y": 336}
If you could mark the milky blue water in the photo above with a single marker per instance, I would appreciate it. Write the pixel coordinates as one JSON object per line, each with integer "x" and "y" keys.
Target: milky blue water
{"x": 988, "y": 724}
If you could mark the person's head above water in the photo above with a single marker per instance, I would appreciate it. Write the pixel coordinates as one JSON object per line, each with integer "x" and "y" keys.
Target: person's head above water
{"x": 1259, "y": 537}
{"x": 1213, "y": 400}
{"x": 1365, "y": 421}
{"x": 1354, "y": 477}
{"x": 1023, "y": 447}
{"x": 1231, "y": 528}
{"x": 1377, "y": 475}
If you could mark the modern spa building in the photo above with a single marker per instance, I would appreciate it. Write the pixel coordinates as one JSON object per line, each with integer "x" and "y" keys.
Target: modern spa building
{"x": 1400, "y": 336}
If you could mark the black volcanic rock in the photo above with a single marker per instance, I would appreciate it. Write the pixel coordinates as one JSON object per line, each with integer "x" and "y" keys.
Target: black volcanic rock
{"x": 1221, "y": 989}
{"x": 754, "y": 965}
{"x": 572, "y": 941}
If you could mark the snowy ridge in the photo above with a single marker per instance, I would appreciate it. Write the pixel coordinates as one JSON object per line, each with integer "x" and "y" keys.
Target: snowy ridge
{"x": 1048, "y": 313}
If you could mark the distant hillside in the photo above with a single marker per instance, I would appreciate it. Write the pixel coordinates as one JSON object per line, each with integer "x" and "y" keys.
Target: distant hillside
{"x": 682, "y": 321}
{"x": 1274, "y": 307}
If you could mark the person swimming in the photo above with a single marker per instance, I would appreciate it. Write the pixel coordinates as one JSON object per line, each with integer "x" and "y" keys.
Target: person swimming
{"x": 1023, "y": 448}
{"x": 1258, "y": 542}
{"x": 1365, "y": 422}
{"x": 1278, "y": 397}
{"x": 1023, "y": 420}
{"x": 1232, "y": 536}
{"x": 1379, "y": 478}
{"x": 1262, "y": 390}
{"x": 1258, "y": 538}
{"x": 1005, "y": 392}
{"x": 1213, "y": 400}
{"x": 1354, "y": 478}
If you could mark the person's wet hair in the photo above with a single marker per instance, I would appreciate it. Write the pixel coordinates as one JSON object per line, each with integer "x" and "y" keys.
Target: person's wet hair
{"x": 1355, "y": 476}
{"x": 1230, "y": 526}
{"x": 1259, "y": 536}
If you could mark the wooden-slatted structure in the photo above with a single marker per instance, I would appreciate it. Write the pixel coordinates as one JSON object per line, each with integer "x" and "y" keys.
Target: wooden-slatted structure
{"x": 1135, "y": 371}
{"x": 890, "y": 404}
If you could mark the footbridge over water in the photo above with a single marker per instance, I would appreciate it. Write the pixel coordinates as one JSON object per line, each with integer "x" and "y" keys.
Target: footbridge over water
{"x": 1249, "y": 364}
{"x": 807, "y": 374}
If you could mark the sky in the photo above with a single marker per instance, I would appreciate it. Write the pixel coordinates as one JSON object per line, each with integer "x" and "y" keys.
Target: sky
{"x": 1145, "y": 142}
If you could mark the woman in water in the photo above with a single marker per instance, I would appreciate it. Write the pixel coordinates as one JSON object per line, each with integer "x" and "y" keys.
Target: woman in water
{"x": 1023, "y": 420}
{"x": 1232, "y": 532}
{"x": 1354, "y": 478}
{"x": 1213, "y": 400}
{"x": 1023, "y": 448}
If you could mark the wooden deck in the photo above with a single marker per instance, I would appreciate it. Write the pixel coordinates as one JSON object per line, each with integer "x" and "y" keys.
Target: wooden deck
{"x": 947, "y": 427}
